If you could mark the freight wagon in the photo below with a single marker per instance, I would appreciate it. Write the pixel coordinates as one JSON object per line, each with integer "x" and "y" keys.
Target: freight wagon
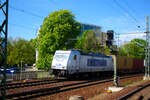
{"x": 74, "y": 62}
{"x": 129, "y": 65}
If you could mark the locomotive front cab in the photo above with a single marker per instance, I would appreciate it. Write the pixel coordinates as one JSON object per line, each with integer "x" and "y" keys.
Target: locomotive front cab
{"x": 65, "y": 63}
{"x": 59, "y": 63}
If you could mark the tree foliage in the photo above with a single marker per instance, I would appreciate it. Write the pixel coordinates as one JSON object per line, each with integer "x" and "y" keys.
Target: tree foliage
{"x": 20, "y": 50}
{"x": 106, "y": 50}
{"x": 134, "y": 49}
{"x": 89, "y": 43}
{"x": 57, "y": 29}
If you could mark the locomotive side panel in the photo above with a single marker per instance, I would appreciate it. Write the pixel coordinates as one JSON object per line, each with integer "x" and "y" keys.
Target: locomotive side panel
{"x": 83, "y": 64}
{"x": 73, "y": 62}
{"x": 95, "y": 64}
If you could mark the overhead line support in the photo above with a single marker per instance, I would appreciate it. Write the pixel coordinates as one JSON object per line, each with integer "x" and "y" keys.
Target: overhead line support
{"x": 3, "y": 46}
{"x": 147, "y": 52}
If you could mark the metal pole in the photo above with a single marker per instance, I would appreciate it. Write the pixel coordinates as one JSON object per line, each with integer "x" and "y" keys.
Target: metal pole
{"x": 118, "y": 40}
{"x": 115, "y": 71}
{"x": 147, "y": 31}
{"x": 4, "y": 31}
{"x": 147, "y": 57}
{"x": 21, "y": 71}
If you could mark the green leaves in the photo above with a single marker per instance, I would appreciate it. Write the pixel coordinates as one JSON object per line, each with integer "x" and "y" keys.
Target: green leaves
{"x": 57, "y": 29}
{"x": 21, "y": 50}
{"x": 89, "y": 43}
{"x": 133, "y": 49}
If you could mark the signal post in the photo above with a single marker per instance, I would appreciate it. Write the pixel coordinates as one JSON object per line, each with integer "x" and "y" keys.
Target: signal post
{"x": 147, "y": 52}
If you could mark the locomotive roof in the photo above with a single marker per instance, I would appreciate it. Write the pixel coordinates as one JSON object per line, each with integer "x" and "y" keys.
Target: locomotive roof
{"x": 95, "y": 55}
{"x": 92, "y": 54}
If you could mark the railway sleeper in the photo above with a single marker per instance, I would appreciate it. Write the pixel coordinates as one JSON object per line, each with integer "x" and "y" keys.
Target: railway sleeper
{"x": 26, "y": 93}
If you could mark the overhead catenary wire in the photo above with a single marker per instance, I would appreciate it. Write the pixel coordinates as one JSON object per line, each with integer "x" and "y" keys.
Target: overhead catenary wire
{"x": 129, "y": 14}
{"x": 127, "y": 34}
{"x": 127, "y": 5}
{"x": 135, "y": 23}
{"x": 25, "y": 27}
{"x": 22, "y": 26}
{"x": 23, "y": 11}
{"x": 132, "y": 10}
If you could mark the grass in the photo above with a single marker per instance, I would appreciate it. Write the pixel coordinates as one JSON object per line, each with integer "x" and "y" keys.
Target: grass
{"x": 126, "y": 83}
{"x": 129, "y": 82}
{"x": 42, "y": 74}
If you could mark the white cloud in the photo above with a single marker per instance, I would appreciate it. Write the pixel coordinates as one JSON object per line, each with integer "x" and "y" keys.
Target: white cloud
{"x": 124, "y": 38}
{"x": 114, "y": 20}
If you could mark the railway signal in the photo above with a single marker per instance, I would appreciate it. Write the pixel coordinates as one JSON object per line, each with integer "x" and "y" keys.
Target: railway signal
{"x": 110, "y": 38}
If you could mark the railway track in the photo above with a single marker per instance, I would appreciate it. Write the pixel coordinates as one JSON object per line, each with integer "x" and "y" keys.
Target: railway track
{"x": 34, "y": 83}
{"x": 56, "y": 89}
{"x": 129, "y": 95}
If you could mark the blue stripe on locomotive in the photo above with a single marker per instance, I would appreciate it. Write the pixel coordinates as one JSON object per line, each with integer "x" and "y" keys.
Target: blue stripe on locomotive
{"x": 96, "y": 62}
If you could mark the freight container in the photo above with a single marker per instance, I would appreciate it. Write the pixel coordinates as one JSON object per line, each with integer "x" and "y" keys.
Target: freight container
{"x": 138, "y": 64}
{"x": 124, "y": 63}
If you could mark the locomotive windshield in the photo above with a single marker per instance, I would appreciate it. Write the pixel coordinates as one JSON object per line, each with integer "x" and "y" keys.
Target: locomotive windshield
{"x": 60, "y": 57}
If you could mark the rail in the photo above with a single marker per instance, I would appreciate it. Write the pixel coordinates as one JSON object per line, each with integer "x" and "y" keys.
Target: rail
{"x": 133, "y": 92}
{"x": 56, "y": 89}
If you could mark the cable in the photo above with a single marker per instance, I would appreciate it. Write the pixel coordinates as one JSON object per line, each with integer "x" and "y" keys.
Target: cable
{"x": 117, "y": 3}
{"x": 128, "y": 6}
{"x": 25, "y": 27}
{"x": 132, "y": 10}
{"x": 133, "y": 21}
{"x": 23, "y": 11}
{"x": 22, "y": 26}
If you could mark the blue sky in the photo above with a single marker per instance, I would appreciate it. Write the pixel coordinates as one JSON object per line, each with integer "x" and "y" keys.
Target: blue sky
{"x": 105, "y": 13}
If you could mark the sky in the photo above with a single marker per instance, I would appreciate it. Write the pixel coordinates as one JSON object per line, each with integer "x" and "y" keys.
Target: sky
{"x": 122, "y": 16}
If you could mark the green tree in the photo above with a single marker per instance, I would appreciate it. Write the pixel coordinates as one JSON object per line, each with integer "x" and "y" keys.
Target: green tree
{"x": 21, "y": 50}
{"x": 89, "y": 43}
{"x": 106, "y": 50}
{"x": 134, "y": 49}
{"x": 57, "y": 29}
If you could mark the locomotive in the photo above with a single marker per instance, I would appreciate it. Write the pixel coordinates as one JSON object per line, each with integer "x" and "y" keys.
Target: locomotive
{"x": 75, "y": 62}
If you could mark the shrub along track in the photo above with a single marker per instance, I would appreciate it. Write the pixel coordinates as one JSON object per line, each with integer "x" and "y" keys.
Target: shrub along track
{"x": 53, "y": 88}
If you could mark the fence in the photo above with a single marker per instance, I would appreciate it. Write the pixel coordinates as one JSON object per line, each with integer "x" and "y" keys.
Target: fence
{"x": 27, "y": 75}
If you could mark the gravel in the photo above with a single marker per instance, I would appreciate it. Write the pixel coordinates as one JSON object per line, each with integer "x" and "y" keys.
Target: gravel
{"x": 91, "y": 91}
{"x": 94, "y": 92}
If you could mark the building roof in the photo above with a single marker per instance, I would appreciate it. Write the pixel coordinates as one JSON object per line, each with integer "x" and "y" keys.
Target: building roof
{"x": 91, "y": 25}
